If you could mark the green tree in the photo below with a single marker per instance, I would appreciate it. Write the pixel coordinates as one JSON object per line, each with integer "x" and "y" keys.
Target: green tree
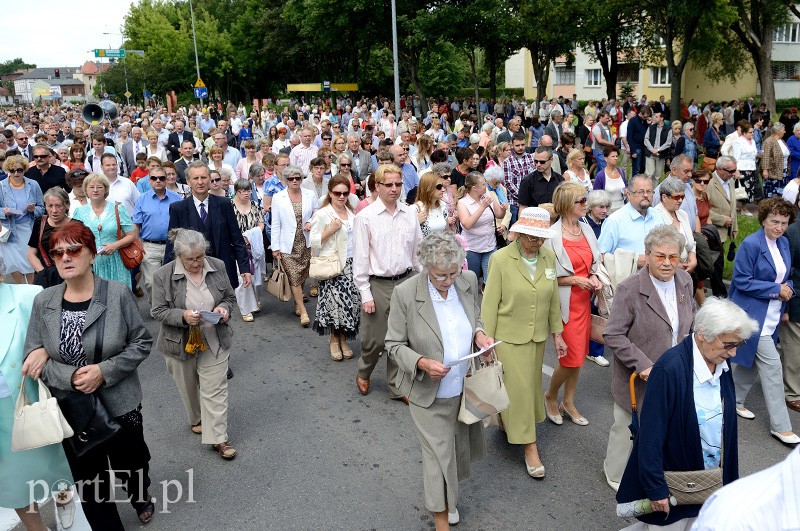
{"x": 12, "y": 65}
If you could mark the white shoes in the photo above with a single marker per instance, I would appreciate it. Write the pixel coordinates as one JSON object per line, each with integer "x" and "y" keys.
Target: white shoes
{"x": 600, "y": 360}
{"x": 453, "y": 518}
{"x": 745, "y": 413}
{"x": 792, "y": 439}
{"x": 66, "y": 512}
{"x": 536, "y": 472}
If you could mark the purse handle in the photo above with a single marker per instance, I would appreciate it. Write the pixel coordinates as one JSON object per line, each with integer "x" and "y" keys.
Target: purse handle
{"x": 120, "y": 234}
{"x": 22, "y": 398}
{"x": 101, "y": 321}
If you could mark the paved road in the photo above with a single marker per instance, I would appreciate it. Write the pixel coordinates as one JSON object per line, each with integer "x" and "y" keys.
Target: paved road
{"x": 315, "y": 454}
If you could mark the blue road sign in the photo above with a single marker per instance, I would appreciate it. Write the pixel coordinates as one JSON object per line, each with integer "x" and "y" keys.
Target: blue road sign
{"x": 201, "y": 92}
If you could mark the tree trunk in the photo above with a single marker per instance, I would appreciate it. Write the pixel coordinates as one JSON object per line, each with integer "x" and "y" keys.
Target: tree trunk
{"x": 675, "y": 77}
{"x": 491, "y": 60}
{"x": 541, "y": 73}
{"x": 764, "y": 68}
{"x": 417, "y": 84}
{"x": 471, "y": 57}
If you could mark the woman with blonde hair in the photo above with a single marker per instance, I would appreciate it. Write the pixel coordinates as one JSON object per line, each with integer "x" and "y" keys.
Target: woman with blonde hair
{"x": 576, "y": 171}
{"x": 153, "y": 149}
{"x": 429, "y": 207}
{"x": 424, "y": 150}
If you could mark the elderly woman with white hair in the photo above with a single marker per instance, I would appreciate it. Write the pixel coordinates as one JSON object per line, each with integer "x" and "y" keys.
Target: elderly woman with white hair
{"x": 426, "y": 340}
{"x": 495, "y": 176}
{"x": 673, "y": 193}
{"x": 688, "y": 421}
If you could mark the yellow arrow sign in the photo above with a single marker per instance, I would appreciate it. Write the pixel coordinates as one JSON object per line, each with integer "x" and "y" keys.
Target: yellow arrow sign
{"x": 199, "y": 83}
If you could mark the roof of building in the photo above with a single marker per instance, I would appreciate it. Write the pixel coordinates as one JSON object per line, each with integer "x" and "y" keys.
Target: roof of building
{"x": 49, "y": 73}
{"x": 62, "y": 82}
{"x": 93, "y": 68}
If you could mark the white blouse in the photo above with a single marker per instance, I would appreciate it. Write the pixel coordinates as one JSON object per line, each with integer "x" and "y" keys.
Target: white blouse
{"x": 774, "y": 309}
{"x": 745, "y": 151}
{"x": 456, "y": 339}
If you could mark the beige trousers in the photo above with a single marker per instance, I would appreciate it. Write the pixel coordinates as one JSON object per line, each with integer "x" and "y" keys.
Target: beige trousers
{"x": 374, "y": 327}
{"x": 789, "y": 334}
{"x": 153, "y": 255}
{"x": 203, "y": 385}
{"x": 619, "y": 445}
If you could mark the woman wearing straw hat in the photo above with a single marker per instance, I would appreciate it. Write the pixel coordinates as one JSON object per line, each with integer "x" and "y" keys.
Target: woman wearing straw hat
{"x": 520, "y": 307}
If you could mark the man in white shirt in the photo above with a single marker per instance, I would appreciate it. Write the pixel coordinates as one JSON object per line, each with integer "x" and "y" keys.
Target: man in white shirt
{"x": 121, "y": 189}
{"x": 232, "y": 155}
{"x": 302, "y": 154}
{"x": 163, "y": 134}
{"x": 625, "y": 152}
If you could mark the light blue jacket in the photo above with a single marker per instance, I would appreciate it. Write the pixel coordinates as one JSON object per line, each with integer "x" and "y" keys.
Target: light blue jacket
{"x": 34, "y": 194}
{"x": 16, "y": 302}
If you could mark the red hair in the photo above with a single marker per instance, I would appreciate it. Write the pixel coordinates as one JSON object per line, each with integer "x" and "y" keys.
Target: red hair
{"x": 74, "y": 232}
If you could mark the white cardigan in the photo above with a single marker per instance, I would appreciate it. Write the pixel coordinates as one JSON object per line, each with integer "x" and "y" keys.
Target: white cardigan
{"x": 283, "y": 223}
{"x": 337, "y": 243}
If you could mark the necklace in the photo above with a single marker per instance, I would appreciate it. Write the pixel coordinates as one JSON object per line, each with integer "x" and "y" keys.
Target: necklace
{"x": 522, "y": 254}
{"x": 564, "y": 227}
{"x": 19, "y": 186}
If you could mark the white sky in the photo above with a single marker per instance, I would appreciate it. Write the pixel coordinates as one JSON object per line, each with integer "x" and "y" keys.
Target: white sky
{"x": 51, "y": 33}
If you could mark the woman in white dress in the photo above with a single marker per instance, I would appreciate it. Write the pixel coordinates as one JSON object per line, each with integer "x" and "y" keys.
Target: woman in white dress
{"x": 576, "y": 171}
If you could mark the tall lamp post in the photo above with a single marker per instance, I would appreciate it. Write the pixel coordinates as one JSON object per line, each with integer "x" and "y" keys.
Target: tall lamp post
{"x": 395, "y": 61}
{"x": 194, "y": 40}
{"x": 124, "y": 66}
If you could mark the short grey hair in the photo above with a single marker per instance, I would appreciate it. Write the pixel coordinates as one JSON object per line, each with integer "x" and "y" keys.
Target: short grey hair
{"x": 494, "y": 172}
{"x": 544, "y": 149}
{"x": 441, "y": 250}
{"x": 664, "y": 234}
{"x": 680, "y": 159}
{"x": 241, "y": 185}
{"x": 184, "y": 241}
{"x": 671, "y": 185}
{"x": 687, "y": 125}
{"x": 635, "y": 178}
{"x": 720, "y": 316}
{"x": 57, "y": 192}
{"x": 555, "y": 113}
{"x": 255, "y": 169}
{"x": 225, "y": 172}
{"x": 777, "y": 127}
{"x": 442, "y": 168}
{"x": 796, "y": 127}
{"x": 598, "y": 198}
{"x": 724, "y": 161}
{"x": 293, "y": 171}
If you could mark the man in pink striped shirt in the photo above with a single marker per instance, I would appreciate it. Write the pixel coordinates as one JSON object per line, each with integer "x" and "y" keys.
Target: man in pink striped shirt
{"x": 303, "y": 153}
{"x": 386, "y": 235}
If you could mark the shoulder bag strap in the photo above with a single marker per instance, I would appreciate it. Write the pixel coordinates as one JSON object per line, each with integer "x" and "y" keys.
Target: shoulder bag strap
{"x": 101, "y": 321}
{"x": 119, "y": 225}
{"x": 45, "y": 258}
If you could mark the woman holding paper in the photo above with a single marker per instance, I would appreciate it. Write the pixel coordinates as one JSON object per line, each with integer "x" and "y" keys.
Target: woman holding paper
{"x": 435, "y": 320}
{"x": 520, "y": 308}
{"x": 192, "y": 283}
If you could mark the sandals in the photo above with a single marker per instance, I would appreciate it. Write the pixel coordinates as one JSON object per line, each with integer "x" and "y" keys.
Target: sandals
{"x": 305, "y": 320}
{"x": 336, "y": 352}
{"x": 146, "y": 511}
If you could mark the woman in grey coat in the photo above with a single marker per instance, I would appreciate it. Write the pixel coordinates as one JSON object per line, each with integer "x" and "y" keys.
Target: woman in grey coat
{"x": 61, "y": 349}
{"x": 434, "y": 320}
{"x": 192, "y": 283}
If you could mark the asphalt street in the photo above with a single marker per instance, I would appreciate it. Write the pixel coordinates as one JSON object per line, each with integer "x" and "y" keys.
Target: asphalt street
{"x": 315, "y": 454}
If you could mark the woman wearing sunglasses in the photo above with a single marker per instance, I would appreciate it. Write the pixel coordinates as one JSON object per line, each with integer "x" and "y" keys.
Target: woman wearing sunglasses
{"x": 20, "y": 204}
{"x": 429, "y": 207}
{"x": 292, "y": 209}
{"x": 339, "y": 303}
{"x": 60, "y": 348}
{"x": 673, "y": 192}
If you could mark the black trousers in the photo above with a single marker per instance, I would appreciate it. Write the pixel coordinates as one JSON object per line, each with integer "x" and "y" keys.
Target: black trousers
{"x": 128, "y": 456}
{"x": 718, "y": 288}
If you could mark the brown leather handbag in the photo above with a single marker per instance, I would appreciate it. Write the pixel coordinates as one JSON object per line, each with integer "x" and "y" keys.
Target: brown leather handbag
{"x": 132, "y": 254}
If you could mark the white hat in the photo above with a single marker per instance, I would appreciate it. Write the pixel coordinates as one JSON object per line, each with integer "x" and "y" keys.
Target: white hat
{"x": 534, "y": 221}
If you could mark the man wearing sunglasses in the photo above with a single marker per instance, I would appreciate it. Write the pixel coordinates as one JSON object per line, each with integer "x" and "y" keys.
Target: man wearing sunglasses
{"x": 538, "y": 186}
{"x": 151, "y": 215}
{"x": 44, "y": 173}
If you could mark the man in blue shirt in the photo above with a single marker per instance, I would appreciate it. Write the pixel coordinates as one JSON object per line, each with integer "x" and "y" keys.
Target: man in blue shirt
{"x": 410, "y": 176}
{"x": 627, "y": 227}
{"x": 151, "y": 215}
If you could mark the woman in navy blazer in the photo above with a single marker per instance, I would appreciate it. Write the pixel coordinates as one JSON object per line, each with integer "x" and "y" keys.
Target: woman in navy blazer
{"x": 761, "y": 285}
{"x": 690, "y": 381}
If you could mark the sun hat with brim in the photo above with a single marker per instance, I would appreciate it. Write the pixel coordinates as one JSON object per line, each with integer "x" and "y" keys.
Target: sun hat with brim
{"x": 534, "y": 221}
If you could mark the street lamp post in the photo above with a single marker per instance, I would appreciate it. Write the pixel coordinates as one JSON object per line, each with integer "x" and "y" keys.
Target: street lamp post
{"x": 194, "y": 40}
{"x": 396, "y": 67}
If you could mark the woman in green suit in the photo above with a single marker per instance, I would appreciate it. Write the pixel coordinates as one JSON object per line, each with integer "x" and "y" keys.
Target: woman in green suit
{"x": 520, "y": 308}
{"x": 48, "y": 463}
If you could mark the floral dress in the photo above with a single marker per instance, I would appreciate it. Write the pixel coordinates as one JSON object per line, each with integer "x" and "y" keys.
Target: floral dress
{"x": 104, "y": 229}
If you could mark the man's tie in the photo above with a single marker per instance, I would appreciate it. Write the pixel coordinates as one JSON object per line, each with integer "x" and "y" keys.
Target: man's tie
{"x": 203, "y": 213}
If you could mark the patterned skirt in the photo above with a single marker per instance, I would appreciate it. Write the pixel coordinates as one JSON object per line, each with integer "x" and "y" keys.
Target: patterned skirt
{"x": 339, "y": 304}
{"x": 773, "y": 187}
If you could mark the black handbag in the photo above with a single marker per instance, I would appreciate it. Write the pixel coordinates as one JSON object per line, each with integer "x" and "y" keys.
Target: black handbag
{"x": 86, "y": 413}
{"x": 500, "y": 239}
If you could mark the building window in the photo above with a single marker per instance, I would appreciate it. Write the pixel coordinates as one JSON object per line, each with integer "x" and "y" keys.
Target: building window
{"x": 785, "y": 71}
{"x": 628, "y": 73}
{"x": 789, "y": 33}
{"x": 594, "y": 78}
{"x": 565, "y": 75}
{"x": 659, "y": 76}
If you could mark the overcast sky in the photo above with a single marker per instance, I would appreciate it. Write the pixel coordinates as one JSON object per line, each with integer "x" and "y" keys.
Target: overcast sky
{"x": 51, "y": 33}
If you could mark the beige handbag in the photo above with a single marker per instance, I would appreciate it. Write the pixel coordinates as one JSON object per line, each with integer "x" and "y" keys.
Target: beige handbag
{"x": 599, "y": 328}
{"x": 484, "y": 390}
{"x": 325, "y": 267}
{"x": 38, "y": 424}
{"x": 278, "y": 283}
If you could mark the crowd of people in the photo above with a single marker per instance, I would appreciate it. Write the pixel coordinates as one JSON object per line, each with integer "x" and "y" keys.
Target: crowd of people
{"x": 423, "y": 237}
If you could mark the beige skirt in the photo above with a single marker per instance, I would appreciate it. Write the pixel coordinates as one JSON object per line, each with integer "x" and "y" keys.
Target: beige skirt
{"x": 448, "y": 448}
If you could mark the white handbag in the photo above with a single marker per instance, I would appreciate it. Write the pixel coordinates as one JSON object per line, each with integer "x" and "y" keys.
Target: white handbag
{"x": 38, "y": 424}
{"x": 484, "y": 391}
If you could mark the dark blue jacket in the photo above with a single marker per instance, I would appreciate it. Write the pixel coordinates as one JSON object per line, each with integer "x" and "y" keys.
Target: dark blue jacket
{"x": 669, "y": 436}
{"x": 636, "y": 131}
{"x": 222, "y": 232}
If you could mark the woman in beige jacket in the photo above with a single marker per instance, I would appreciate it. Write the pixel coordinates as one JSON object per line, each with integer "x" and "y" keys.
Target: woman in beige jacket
{"x": 339, "y": 303}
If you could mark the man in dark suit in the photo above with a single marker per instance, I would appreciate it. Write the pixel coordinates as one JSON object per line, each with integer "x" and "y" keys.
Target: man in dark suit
{"x": 662, "y": 107}
{"x": 182, "y": 164}
{"x": 132, "y": 147}
{"x": 23, "y": 145}
{"x": 176, "y": 140}
{"x": 214, "y": 217}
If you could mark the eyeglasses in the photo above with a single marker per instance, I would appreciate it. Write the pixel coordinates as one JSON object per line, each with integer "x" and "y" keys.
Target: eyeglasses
{"x": 16, "y": 170}
{"x": 440, "y": 186}
{"x": 673, "y": 258}
{"x": 161, "y": 178}
{"x": 690, "y": 129}
{"x": 194, "y": 259}
{"x": 392, "y": 185}
{"x": 339, "y": 194}
{"x": 537, "y": 161}
{"x": 581, "y": 201}
{"x": 678, "y": 197}
{"x": 294, "y": 179}
{"x": 41, "y": 156}
{"x": 642, "y": 192}
{"x": 244, "y": 191}
{"x": 72, "y": 251}
{"x": 22, "y": 138}
{"x": 702, "y": 181}
{"x": 731, "y": 345}
{"x": 442, "y": 278}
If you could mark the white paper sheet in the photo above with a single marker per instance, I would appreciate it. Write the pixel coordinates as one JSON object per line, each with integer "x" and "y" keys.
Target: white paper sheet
{"x": 470, "y": 356}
